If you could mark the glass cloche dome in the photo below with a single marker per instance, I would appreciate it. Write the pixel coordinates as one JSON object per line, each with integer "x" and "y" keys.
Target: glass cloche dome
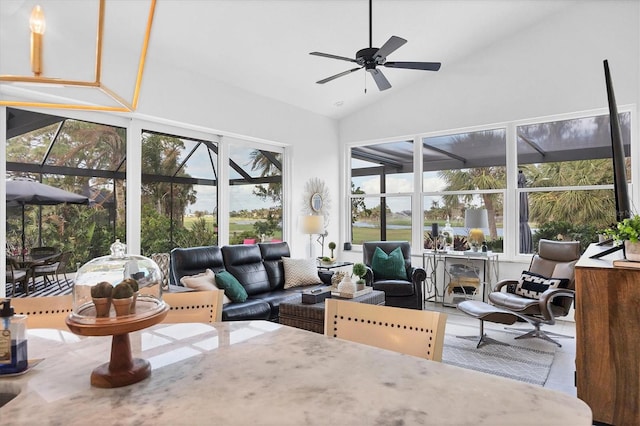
{"x": 117, "y": 287}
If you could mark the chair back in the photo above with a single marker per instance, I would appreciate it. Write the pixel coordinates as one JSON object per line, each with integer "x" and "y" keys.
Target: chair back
{"x": 45, "y": 312}
{"x": 162, "y": 259}
{"x": 194, "y": 306}
{"x": 369, "y": 248}
{"x": 557, "y": 259}
{"x": 64, "y": 262}
{"x": 42, "y": 251}
{"x": 408, "y": 331}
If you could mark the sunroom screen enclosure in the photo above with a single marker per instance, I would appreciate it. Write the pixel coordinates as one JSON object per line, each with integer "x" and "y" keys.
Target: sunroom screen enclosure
{"x": 179, "y": 187}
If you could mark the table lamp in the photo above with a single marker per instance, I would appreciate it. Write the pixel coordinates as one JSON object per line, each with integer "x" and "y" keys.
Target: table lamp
{"x": 312, "y": 224}
{"x": 475, "y": 220}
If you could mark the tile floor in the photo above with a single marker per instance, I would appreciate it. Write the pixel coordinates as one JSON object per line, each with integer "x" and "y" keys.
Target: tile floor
{"x": 561, "y": 376}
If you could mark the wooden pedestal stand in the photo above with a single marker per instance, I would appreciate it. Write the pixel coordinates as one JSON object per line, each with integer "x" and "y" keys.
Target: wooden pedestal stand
{"x": 122, "y": 369}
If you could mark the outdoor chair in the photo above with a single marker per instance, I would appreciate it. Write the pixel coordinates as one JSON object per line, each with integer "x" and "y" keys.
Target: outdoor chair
{"x": 46, "y": 269}
{"x": 390, "y": 270}
{"x": 63, "y": 263}
{"x": 543, "y": 293}
{"x": 15, "y": 275}
{"x": 162, "y": 260}
{"x": 194, "y": 306}
{"x": 408, "y": 331}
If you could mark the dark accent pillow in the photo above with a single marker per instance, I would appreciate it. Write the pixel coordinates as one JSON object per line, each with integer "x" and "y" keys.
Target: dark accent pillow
{"x": 388, "y": 266}
{"x": 532, "y": 285}
{"x": 231, "y": 286}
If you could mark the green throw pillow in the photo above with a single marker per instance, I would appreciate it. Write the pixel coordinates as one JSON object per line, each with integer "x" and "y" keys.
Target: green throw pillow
{"x": 389, "y": 267}
{"x": 231, "y": 286}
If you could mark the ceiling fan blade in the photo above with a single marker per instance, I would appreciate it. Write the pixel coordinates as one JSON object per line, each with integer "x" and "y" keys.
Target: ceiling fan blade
{"x": 328, "y": 55}
{"x": 426, "y": 66}
{"x": 380, "y": 79}
{"x": 333, "y": 77}
{"x": 389, "y": 47}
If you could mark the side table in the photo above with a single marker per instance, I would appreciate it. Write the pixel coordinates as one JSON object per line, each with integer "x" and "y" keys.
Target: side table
{"x": 333, "y": 265}
{"x": 311, "y": 316}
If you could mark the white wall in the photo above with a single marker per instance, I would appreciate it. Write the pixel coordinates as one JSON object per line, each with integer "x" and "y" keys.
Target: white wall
{"x": 311, "y": 140}
{"x": 551, "y": 68}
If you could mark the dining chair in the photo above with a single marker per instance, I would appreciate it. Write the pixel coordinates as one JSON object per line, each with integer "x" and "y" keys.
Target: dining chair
{"x": 194, "y": 306}
{"x": 408, "y": 331}
{"x": 44, "y": 312}
{"x": 15, "y": 275}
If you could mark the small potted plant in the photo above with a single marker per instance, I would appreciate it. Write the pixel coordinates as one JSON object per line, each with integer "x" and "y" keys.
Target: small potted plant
{"x": 101, "y": 294}
{"x": 122, "y": 299}
{"x": 134, "y": 286}
{"x": 360, "y": 270}
{"x": 326, "y": 260}
{"x": 332, "y": 247}
{"x": 628, "y": 232}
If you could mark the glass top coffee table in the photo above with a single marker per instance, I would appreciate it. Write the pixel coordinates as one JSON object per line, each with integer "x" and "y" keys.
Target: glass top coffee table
{"x": 311, "y": 316}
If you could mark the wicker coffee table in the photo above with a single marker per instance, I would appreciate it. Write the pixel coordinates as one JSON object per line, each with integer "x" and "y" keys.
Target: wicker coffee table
{"x": 311, "y": 316}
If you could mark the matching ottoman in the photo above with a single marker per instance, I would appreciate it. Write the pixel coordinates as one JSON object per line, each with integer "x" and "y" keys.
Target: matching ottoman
{"x": 485, "y": 312}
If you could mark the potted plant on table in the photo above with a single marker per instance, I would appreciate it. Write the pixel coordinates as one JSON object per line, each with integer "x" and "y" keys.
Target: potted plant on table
{"x": 332, "y": 247}
{"x": 326, "y": 261}
{"x": 360, "y": 270}
{"x": 627, "y": 231}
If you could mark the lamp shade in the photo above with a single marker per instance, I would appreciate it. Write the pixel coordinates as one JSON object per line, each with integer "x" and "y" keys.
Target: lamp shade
{"x": 312, "y": 224}
{"x": 476, "y": 218}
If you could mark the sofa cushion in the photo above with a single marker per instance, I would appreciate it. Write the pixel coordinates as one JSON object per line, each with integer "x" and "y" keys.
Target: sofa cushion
{"x": 203, "y": 281}
{"x": 532, "y": 285}
{"x": 299, "y": 272}
{"x": 194, "y": 260}
{"x": 250, "y": 309}
{"x": 388, "y": 266}
{"x": 274, "y": 298}
{"x": 231, "y": 286}
{"x": 272, "y": 254}
{"x": 245, "y": 263}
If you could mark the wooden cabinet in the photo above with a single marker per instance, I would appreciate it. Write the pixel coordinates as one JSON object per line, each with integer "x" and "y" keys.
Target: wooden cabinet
{"x": 608, "y": 339}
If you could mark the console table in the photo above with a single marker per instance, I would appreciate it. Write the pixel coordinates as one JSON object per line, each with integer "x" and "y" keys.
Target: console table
{"x": 482, "y": 268}
{"x": 607, "y": 338}
{"x": 262, "y": 373}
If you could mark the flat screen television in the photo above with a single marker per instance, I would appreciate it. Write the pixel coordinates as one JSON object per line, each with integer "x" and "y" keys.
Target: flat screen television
{"x": 623, "y": 202}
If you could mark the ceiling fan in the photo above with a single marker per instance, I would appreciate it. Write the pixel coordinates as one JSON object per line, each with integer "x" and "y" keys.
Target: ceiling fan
{"x": 371, "y": 57}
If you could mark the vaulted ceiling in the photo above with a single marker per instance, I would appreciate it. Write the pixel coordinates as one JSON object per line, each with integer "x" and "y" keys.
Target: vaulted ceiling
{"x": 260, "y": 47}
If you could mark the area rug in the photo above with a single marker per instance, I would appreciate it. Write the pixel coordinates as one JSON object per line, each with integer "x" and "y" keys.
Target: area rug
{"x": 514, "y": 362}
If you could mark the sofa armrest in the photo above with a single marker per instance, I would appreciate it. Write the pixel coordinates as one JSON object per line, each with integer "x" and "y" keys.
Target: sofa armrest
{"x": 368, "y": 277}
{"x": 418, "y": 275}
{"x": 504, "y": 283}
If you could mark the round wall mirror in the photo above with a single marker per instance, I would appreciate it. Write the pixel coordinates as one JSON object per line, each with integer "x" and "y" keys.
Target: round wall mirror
{"x": 316, "y": 202}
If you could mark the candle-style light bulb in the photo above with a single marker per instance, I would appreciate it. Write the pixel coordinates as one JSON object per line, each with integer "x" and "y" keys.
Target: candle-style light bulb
{"x": 36, "y": 21}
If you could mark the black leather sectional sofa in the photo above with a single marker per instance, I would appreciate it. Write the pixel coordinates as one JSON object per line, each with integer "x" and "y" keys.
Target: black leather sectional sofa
{"x": 258, "y": 267}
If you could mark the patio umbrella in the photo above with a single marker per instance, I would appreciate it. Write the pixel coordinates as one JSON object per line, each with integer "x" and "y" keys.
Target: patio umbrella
{"x": 526, "y": 241}
{"x": 21, "y": 192}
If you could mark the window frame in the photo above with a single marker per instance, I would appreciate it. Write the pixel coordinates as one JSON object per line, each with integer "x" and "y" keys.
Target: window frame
{"x": 510, "y": 193}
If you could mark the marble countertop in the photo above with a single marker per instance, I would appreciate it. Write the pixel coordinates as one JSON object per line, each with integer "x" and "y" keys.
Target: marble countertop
{"x": 257, "y": 372}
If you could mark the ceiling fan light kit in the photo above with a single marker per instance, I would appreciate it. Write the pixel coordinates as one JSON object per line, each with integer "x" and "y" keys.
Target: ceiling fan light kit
{"x": 371, "y": 57}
